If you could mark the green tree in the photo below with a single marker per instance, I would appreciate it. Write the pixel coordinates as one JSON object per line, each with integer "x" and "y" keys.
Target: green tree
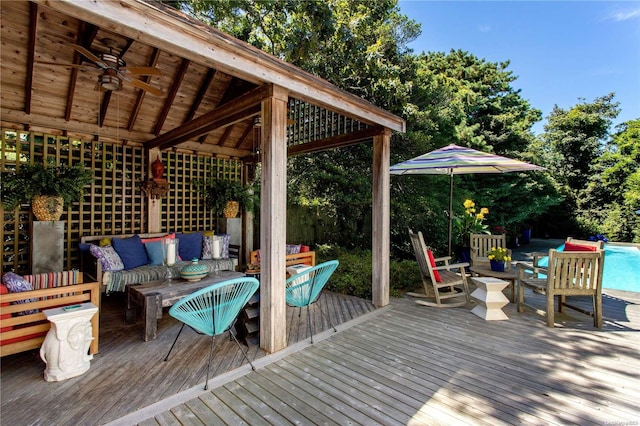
{"x": 576, "y": 138}
{"x": 612, "y": 195}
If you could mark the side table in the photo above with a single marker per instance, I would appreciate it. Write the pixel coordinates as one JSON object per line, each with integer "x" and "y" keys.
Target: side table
{"x": 66, "y": 346}
{"x": 510, "y": 275}
{"x": 490, "y": 299}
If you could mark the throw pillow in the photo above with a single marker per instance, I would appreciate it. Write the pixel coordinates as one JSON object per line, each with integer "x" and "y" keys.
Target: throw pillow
{"x": 16, "y": 284}
{"x": 224, "y": 246}
{"x": 108, "y": 257}
{"x": 190, "y": 246}
{"x": 432, "y": 262}
{"x": 293, "y": 248}
{"x": 578, "y": 247}
{"x": 150, "y": 240}
{"x": 131, "y": 251}
{"x": 154, "y": 252}
{"x": 207, "y": 249}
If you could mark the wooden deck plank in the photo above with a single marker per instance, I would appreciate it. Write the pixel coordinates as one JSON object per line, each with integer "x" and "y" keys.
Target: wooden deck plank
{"x": 297, "y": 397}
{"x": 202, "y": 412}
{"x": 376, "y": 374}
{"x": 257, "y": 403}
{"x": 405, "y": 364}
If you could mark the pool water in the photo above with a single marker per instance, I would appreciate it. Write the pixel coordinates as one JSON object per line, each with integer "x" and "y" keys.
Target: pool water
{"x": 621, "y": 267}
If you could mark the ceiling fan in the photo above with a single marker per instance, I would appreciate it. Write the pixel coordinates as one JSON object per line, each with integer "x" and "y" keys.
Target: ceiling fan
{"x": 114, "y": 69}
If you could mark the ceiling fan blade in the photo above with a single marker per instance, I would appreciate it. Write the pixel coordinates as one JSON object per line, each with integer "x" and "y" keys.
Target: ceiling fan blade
{"x": 144, "y": 86}
{"x": 87, "y": 53}
{"x": 140, "y": 70}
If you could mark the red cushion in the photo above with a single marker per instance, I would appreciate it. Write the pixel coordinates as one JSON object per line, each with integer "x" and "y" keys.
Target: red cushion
{"x": 432, "y": 261}
{"x": 150, "y": 240}
{"x": 304, "y": 249}
{"x": 578, "y": 247}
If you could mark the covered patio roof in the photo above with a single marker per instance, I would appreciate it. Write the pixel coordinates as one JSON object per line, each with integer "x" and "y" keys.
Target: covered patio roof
{"x": 205, "y": 97}
{"x": 201, "y": 91}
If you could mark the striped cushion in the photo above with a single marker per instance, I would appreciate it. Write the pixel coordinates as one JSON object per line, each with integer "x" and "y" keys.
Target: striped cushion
{"x": 118, "y": 280}
{"x": 53, "y": 279}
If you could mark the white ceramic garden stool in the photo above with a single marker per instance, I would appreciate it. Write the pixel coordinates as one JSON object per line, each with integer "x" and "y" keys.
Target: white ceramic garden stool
{"x": 65, "y": 349}
{"x": 490, "y": 298}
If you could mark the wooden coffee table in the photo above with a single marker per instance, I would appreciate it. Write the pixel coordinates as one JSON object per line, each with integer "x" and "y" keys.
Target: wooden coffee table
{"x": 155, "y": 295}
{"x": 510, "y": 275}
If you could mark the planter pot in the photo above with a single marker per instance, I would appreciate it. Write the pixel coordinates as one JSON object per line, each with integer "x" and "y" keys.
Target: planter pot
{"x": 46, "y": 207}
{"x": 465, "y": 256}
{"x": 231, "y": 209}
{"x": 497, "y": 265}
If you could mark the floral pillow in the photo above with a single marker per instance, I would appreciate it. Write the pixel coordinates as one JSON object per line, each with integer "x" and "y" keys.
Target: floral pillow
{"x": 207, "y": 247}
{"x": 109, "y": 259}
{"x": 16, "y": 284}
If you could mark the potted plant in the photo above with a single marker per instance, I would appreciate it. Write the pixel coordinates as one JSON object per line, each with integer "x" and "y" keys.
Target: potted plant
{"x": 498, "y": 258}
{"x": 471, "y": 222}
{"x": 49, "y": 188}
{"x": 226, "y": 196}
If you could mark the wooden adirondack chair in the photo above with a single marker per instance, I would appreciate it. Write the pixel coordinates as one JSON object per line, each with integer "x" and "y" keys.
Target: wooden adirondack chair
{"x": 481, "y": 246}
{"x": 441, "y": 283}
{"x": 570, "y": 273}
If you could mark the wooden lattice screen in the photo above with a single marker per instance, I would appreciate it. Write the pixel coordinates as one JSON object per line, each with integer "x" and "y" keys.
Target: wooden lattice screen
{"x": 311, "y": 122}
{"x": 113, "y": 203}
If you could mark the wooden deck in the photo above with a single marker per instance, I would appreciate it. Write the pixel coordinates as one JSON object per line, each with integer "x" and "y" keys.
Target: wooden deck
{"x": 403, "y": 364}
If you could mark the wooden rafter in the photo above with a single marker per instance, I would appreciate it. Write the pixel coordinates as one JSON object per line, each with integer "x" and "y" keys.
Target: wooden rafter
{"x": 85, "y": 36}
{"x": 33, "y": 21}
{"x": 177, "y": 81}
{"x": 204, "y": 87}
{"x": 155, "y": 55}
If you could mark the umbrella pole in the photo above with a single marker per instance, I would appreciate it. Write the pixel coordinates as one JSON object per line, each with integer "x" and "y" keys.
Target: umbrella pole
{"x": 450, "y": 208}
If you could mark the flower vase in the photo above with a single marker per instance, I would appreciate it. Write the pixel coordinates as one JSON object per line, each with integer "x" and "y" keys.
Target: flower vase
{"x": 169, "y": 255}
{"x": 497, "y": 265}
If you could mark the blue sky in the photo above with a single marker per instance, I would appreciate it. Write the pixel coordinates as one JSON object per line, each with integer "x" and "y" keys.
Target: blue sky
{"x": 560, "y": 51}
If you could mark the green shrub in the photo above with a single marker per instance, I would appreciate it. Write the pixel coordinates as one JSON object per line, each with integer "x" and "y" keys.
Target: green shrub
{"x": 354, "y": 274}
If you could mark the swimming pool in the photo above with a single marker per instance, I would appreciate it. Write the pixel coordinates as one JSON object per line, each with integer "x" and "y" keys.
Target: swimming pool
{"x": 621, "y": 267}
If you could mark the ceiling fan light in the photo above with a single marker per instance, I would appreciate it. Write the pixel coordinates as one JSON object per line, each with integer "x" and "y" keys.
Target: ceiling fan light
{"x": 110, "y": 82}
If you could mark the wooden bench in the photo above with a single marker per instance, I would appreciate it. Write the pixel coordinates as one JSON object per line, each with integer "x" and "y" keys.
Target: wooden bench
{"x": 24, "y": 332}
{"x": 302, "y": 258}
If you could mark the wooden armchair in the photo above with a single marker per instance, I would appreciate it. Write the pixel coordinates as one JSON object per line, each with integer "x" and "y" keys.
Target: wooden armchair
{"x": 572, "y": 273}
{"x": 440, "y": 282}
{"x": 481, "y": 246}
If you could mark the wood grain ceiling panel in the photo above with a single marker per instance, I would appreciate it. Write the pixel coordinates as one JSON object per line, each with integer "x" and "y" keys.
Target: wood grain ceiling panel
{"x": 64, "y": 96}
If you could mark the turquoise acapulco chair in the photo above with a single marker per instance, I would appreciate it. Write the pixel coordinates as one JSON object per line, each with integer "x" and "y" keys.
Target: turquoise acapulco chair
{"x": 213, "y": 310}
{"x": 303, "y": 289}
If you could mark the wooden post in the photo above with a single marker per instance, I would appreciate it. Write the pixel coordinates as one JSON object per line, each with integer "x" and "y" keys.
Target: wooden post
{"x": 381, "y": 221}
{"x": 273, "y": 219}
{"x": 154, "y": 210}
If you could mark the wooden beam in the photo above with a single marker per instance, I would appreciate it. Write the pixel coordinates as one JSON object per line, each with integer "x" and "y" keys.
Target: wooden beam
{"x": 339, "y": 141}
{"x": 273, "y": 219}
{"x": 194, "y": 128}
{"x": 31, "y": 51}
{"x": 177, "y": 33}
{"x": 381, "y": 238}
{"x": 332, "y": 142}
{"x": 214, "y": 124}
{"x": 204, "y": 87}
{"x": 85, "y": 36}
{"x": 177, "y": 81}
{"x": 104, "y": 107}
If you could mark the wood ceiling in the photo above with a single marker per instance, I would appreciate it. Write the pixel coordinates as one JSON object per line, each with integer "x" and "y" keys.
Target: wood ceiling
{"x": 49, "y": 85}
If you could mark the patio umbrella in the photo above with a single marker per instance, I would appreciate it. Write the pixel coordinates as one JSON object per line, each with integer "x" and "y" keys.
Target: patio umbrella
{"x": 459, "y": 160}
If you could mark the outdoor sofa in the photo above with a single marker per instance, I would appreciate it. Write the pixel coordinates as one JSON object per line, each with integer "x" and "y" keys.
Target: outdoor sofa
{"x": 118, "y": 260}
